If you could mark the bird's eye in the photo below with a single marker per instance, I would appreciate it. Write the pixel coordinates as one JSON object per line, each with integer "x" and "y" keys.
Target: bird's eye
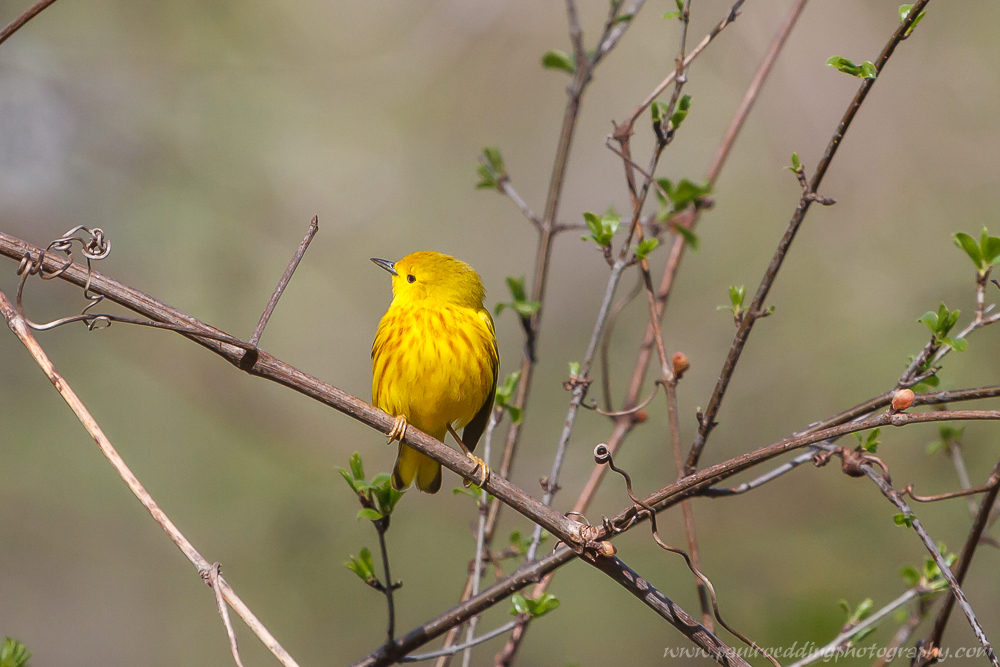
{"x": 411, "y": 278}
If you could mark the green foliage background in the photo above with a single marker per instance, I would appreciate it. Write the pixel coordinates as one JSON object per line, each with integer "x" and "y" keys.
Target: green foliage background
{"x": 203, "y": 137}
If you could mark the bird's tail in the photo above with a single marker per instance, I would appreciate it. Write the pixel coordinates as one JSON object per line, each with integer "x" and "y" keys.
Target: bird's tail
{"x": 412, "y": 465}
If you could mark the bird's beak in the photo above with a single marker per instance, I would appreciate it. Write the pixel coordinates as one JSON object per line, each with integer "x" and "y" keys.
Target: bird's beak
{"x": 386, "y": 264}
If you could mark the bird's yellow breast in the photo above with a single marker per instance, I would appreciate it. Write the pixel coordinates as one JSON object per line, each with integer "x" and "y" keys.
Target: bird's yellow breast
{"x": 434, "y": 363}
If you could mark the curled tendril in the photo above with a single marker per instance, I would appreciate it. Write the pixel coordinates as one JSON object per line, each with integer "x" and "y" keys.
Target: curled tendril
{"x": 94, "y": 246}
{"x": 602, "y": 455}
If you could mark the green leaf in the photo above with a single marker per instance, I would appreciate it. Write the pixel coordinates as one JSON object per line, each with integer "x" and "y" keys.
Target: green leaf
{"x": 515, "y": 413}
{"x": 574, "y": 369}
{"x": 13, "y": 653}
{"x": 796, "y": 165}
{"x": 971, "y": 248}
{"x": 903, "y": 520}
{"x": 506, "y": 390}
{"x": 844, "y": 65}
{"x": 672, "y": 15}
{"x": 623, "y": 18}
{"x": 492, "y": 170}
{"x": 645, "y": 247}
{"x": 556, "y": 59}
{"x": 957, "y": 344}
{"x": 658, "y": 110}
{"x": 737, "y": 294}
{"x": 369, "y": 513}
{"x": 687, "y": 192}
{"x": 868, "y": 70}
{"x": 683, "y": 105}
{"x": 602, "y": 228}
{"x": 688, "y": 235}
{"x": 520, "y": 303}
{"x": 357, "y": 469}
{"x": 930, "y": 318}
{"x": 910, "y": 575}
{"x": 533, "y": 607}
{"x": 904, "y": 11}
{"x": 362, "y": 566}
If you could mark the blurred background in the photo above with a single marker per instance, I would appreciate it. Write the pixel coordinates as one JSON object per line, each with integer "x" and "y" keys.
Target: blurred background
{"x": 202, "y": 137}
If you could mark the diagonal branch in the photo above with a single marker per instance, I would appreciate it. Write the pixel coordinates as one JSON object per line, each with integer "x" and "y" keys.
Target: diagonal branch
{"x": 756, "y": 308}
{"x": 207, "y": 571}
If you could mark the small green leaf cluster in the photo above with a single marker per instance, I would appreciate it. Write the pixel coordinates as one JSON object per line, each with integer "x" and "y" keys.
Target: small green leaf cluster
{"x": 870, "y": 442}
{"x": 984, "y": 254}
{"x": 865, "y": 70}
{"x": 904, "y": 12}
{"x": 645, "y": 247}
{"x": 947, "y": 434}
{"x": 856, "y": 615}
{"x": 940, "y": 324}
{"x": 903, "y": 519}
{"x": 378, "y": 498}
{"x": 929, "y": 576}
{"x": 492, "y": 172}
{"x": 504, "y": 395}
{"x": 659, "y": 110}
{"x": 533, "y": 607}
{"x": 556, "y": 59}
{"x": 574, "y": 370}
{"x": 14, "y": 654}
{"x": 736, "y": 297}
{"x": 678, "y": 14}
{"x": 363, "y": 566}
{"x": 602, "y": 228}
{"x": 519, "y": 302}
{"x": 680, "y": 196}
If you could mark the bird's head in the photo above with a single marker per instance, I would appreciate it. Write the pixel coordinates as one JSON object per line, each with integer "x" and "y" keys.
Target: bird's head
{"x": 435, "y": 277}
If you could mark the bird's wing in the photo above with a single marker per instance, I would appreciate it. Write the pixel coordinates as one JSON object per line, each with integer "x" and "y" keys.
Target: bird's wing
{"x": 474, "y": 429}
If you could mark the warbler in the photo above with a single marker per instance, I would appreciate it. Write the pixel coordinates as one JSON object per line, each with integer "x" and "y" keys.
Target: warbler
{"x": 434, "y": 361}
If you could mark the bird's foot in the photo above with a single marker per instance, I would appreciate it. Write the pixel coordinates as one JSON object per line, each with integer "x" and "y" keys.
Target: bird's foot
{"x": 398, "y": 430}
{"x": 482, "y": 470}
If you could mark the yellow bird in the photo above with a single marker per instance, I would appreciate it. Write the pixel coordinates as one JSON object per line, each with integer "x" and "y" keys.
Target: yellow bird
{"x": 434, "y": 360}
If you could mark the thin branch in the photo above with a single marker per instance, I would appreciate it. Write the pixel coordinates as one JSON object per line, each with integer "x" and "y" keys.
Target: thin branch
{"x": 956, "y": 589}
{"x": 452, "y": 650}
{"x": 831, "y": 648}
{"x": 388, "y": 587}
{"x": 19, "y": 22}
{"x": 213, "y": 580}
{"x": 962, "y": 567}
{"x": 757, "y": 306}
{"x": 285, "y": 277}
{"x": 20, "y": 328}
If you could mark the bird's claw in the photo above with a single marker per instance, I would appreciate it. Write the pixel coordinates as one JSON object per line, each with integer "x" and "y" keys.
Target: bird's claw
{"x": 482, "y": 471}
{"x": 398, "y": 430}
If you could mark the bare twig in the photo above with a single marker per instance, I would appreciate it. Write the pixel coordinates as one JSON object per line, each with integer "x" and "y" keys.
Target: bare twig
{"x": 20, "y": 328}
{"x": 285, "y": 277}
{"x": 220, "y": 602}
{"x": 19, "y": 22}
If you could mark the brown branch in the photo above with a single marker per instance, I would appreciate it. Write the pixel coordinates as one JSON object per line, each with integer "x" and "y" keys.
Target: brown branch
{"x": 757, "y": 306}
{"x": 19, "y": 22}
{"x": 283, "y": 282}
{"x": 20, "y": 328}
